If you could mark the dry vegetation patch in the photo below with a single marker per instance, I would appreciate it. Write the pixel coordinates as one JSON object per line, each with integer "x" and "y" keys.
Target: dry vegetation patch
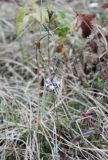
{"x": 53, "y": 80}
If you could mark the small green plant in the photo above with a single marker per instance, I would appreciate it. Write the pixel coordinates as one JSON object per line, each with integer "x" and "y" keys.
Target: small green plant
{"x": 99, "y": 83}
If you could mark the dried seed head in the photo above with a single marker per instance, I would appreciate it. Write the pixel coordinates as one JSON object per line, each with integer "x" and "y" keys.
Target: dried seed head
{"x": 52, "y": 82}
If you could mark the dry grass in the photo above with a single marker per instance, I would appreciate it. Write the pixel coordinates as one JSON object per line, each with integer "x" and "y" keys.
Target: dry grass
{"x": 37, "y": 124}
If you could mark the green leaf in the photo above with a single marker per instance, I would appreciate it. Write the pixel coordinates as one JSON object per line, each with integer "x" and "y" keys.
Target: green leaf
{"x": 27, "y": 15}
{"x": 20, "y": 20}
{"x": 63, "y": 31}
{"x": 61, "y": 18}
{"x": 61, "y": 24}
